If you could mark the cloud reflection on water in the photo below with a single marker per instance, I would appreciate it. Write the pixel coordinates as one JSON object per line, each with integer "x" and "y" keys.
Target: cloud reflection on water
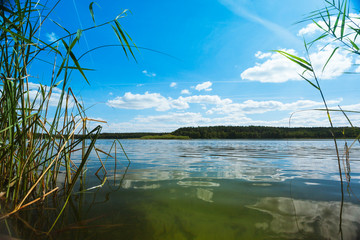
{"x": 293, "y": 217}
{"x": 257, "y": 161}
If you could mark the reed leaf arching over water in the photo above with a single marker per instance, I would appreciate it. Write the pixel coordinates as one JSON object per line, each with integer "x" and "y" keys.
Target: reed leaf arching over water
{"x": 37, "y": 140}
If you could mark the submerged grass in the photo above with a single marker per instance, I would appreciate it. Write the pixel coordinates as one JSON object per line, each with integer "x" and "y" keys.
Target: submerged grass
{"x": 37, "y": 140}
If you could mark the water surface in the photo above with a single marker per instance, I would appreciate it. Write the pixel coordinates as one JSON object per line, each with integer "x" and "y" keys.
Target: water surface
{"x": 219, "y": 189}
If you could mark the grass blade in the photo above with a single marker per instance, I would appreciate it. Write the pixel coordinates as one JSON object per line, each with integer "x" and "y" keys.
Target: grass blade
{"x": 327, "y": 61}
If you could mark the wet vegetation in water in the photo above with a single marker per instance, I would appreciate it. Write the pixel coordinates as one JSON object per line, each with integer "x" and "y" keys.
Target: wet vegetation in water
{"x": 39, "y": 121}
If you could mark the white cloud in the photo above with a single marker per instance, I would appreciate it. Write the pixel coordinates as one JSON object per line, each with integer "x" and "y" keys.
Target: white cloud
{"x": 261, "y": 55}
{"x": 225, "y": 112}
{"x": 206, "y": 99}
{"x": 204, "y": 86}
{"x": 173, "y": 84}
{"x": 52, "y": 37}
{"x": 179, "y": 103}
{"x": 139, "y": 101}
{"x": 185, "y": 91}
{"x": 160, "y": 103}
{"x": 149, "y": 74}
{"x": 172, "y": 121}
{"x": 35, "y": 95}
{"x": 277, "y": 68}
{"x": 215, "y": 110}
{"x": 257, "y": 107}
{"x": 340, "y": 62}
{"x": 214, "y": 104}
{"x": 183, "y": 102}
{"x": 313, "y": 28}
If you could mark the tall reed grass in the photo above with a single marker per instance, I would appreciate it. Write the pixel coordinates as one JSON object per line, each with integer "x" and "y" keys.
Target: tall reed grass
{"x": 37, "y": 141}
{"x": 341, "y": 29}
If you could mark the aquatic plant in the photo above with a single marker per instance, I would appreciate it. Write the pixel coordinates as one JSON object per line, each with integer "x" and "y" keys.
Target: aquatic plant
{"x": 38, "y": 122}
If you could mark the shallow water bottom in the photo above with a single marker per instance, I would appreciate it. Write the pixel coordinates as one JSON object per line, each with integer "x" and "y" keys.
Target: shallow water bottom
{"x": 196, "y": 209}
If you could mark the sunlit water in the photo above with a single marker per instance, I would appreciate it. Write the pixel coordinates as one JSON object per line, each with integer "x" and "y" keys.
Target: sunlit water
{"x": 219, "y": 189}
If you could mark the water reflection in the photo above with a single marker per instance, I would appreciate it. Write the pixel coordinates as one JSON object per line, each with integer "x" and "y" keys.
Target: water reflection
{"x": 212, "y": 190}
{"x": 204, "y": 194}
{"x": 271, "y": 161}
{"x": 292, "y": 217}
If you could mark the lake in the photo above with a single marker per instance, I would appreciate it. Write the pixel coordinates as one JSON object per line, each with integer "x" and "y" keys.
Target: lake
{"x": 218, "y": 189}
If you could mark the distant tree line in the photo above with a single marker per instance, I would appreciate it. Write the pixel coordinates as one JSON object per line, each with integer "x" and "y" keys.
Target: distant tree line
{"x": 259, "y": 132}
{"x": 233, "y": 132}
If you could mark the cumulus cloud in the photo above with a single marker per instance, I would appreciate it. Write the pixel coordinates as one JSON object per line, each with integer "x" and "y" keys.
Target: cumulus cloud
{"x": 206, "y": 99}
{"x": 261, "y": 55}
{"x": 171, "y": 121}
{"x": 223, "y": 111}
{"x": 141, "y": 101}
{"x": 173, "y": 84}
{"x": 52, "y": 37}
{"x": 340, "y": 62}
{"x": 160, "y": 103}
{"x": 34, "y": 95}
{"x": 313, "y": 28}
{"x": 214, "y": 110}
{"x": 183, "y": 102}
{"x": 148, "y": 74}
{"x": 185, "y": 91}
{"x": 216, "y": 105}
{"x": 277, "y": 68}
{"x": 256, "y": 107}
{"x": 204, "y": 86}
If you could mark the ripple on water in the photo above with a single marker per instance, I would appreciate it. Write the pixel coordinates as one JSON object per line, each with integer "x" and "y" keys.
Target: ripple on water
{"x": 198, "y": 184}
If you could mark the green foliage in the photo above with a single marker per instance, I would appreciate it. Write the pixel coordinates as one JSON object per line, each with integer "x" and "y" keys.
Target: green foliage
{"x": 36, "y": 142}
{"x": 260, "y": 132}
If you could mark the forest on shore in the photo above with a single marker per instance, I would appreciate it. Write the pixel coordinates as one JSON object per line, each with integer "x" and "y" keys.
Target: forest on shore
{"x": 243, "y": 132}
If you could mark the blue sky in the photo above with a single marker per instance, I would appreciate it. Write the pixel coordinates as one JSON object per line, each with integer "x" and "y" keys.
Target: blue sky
{"x": 215, "y": 65}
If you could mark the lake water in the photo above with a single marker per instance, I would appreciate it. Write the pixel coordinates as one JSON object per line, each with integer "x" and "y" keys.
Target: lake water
{"x": 218, "y": 189}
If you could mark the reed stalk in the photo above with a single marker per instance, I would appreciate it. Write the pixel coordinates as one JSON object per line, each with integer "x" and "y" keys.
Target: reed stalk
{"x": 342, "y": 29}
{"x": 37, "y": 141}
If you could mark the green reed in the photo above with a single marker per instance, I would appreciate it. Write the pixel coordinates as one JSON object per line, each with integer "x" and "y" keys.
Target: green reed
{"x": 343, "y": 30}
{"x": 37, "y": 141}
